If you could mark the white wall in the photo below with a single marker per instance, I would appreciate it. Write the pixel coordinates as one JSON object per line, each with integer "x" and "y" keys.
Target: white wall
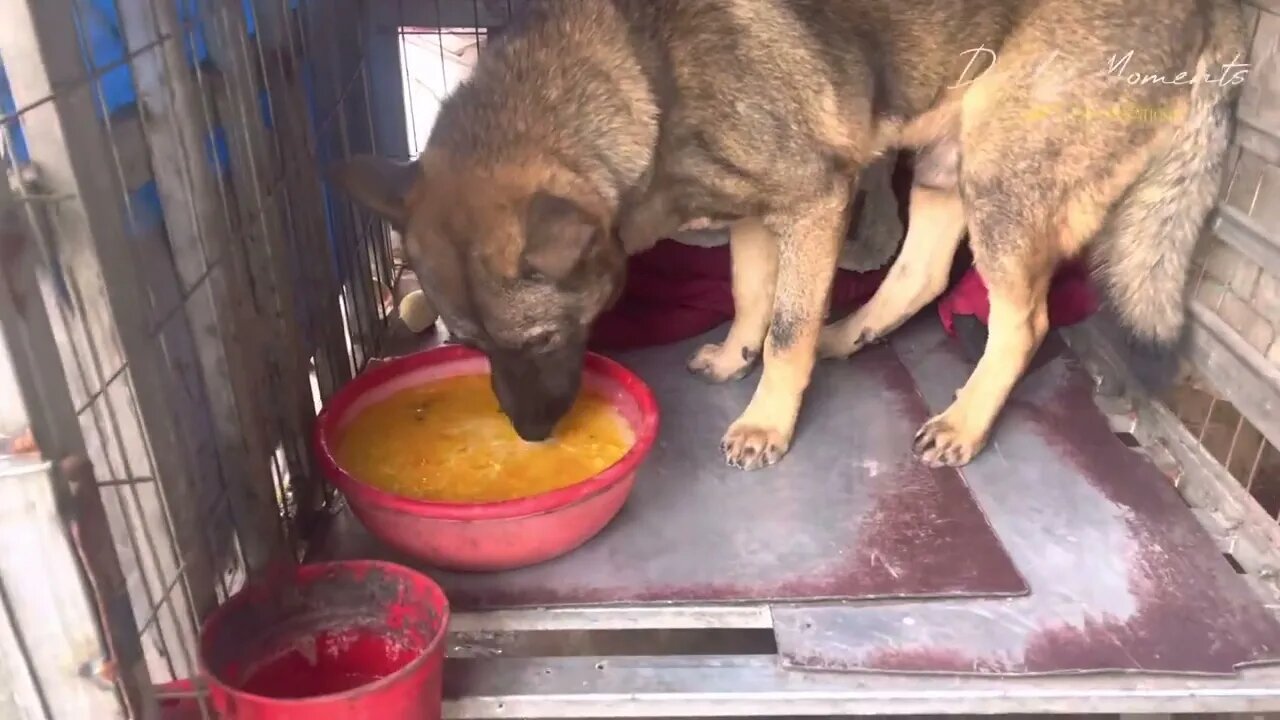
{"x": 433, "y": 63}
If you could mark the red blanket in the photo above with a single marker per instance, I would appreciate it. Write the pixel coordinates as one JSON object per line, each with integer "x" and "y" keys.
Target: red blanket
{"x": 676, "y": 291}
{"x": 1071, "y": 298}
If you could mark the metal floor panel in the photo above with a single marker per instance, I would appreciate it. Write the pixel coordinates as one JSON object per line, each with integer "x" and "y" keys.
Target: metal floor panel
{"x": 848, "y": 514}
{"x": 1122, "y": 576}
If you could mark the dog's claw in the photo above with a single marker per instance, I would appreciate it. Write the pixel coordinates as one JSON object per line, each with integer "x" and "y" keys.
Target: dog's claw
{"x": 941, "y": 443}
{"x": 748, "y": 447}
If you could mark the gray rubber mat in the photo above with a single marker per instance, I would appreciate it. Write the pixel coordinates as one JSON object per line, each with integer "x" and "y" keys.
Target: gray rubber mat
{"x": 1122, "y": 576}
{"x": 848, "y": 514}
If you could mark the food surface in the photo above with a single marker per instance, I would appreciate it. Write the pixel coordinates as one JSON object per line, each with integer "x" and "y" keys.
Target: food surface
{"x": 448, "y": 441}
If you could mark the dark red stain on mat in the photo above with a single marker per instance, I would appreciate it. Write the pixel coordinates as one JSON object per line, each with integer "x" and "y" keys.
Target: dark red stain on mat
{"x": 911, "y": 520}
{"x": 917, "y": 660}
{"x": 1188, "y": 619}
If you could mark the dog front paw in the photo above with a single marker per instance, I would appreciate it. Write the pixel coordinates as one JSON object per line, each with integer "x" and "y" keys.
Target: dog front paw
{"x": 946, "y": 442}
{"x": 751, "y": 447}
{"x": 721, "y": 363}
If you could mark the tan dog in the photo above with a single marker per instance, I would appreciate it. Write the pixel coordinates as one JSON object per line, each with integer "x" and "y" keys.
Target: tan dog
{"x": 595, "y": 127}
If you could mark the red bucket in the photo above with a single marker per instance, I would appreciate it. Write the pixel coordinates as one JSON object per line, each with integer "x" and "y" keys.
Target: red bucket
{"x": 343, "y": 640}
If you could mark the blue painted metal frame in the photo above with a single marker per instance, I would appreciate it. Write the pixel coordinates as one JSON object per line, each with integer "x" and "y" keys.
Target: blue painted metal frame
{"x": 106, "y": 57}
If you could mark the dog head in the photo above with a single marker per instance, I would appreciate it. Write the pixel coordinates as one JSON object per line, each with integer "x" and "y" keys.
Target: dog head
{"x": 518, "y": 261}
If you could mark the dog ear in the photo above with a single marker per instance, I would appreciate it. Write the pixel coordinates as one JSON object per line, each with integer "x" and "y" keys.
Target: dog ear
{"x": 379, "y": 184}
{"x": 557, "y": 234}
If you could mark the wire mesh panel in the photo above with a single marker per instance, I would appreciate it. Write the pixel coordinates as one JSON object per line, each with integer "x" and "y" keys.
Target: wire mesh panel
{"x": 430, "y": 47}
{"x": 205, "y": 288}
{"x": 61, "y": 650}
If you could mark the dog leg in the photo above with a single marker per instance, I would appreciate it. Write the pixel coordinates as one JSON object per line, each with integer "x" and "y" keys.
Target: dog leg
{"x": 918, "y": 276}
{"x": 755, "y": 270}
{"x": 808, "y": 245}
{"x": 1018, "y": 288}
{"x": 876, "y": 237}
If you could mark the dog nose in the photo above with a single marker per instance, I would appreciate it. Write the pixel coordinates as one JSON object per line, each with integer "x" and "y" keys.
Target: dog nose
{"x": 535, "y": 421}
{"x": 534, "y": 395}
{"x": 535, "y": 430}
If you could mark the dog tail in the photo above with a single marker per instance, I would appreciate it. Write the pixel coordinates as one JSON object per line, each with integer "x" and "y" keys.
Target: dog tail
{"x": 1143, "y": 253}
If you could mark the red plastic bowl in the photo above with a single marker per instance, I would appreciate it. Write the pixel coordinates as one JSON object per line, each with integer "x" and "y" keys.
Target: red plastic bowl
{"x": 497, "y": 535}
{"x": 357, "y": 640}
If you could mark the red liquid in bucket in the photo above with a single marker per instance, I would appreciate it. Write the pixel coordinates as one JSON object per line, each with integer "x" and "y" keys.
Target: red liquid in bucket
{"x": 337, "y": 641}
{"x": 334, "y": 662}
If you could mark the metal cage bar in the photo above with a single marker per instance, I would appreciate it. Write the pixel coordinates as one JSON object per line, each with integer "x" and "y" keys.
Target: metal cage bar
{"x": 63, "y": 652}
{"x": 196, "y": 219}
{"x": 99, "y": 256}
{"x": 205, "y": 289}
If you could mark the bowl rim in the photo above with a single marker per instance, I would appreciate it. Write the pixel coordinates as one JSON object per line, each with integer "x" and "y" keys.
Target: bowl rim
{"x": 307, "y": 571}
{"x": 361, "y": 493}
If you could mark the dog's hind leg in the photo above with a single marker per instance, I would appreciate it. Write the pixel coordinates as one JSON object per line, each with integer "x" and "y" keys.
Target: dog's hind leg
{"x": 1018, "y": 288}
{"x": 754, "y": 255}
{"x": 918, "y": 275}
{"x": 1051, "y": 151}
{"x": 809, "y": 239}
{"x": 1019, "y": 232}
